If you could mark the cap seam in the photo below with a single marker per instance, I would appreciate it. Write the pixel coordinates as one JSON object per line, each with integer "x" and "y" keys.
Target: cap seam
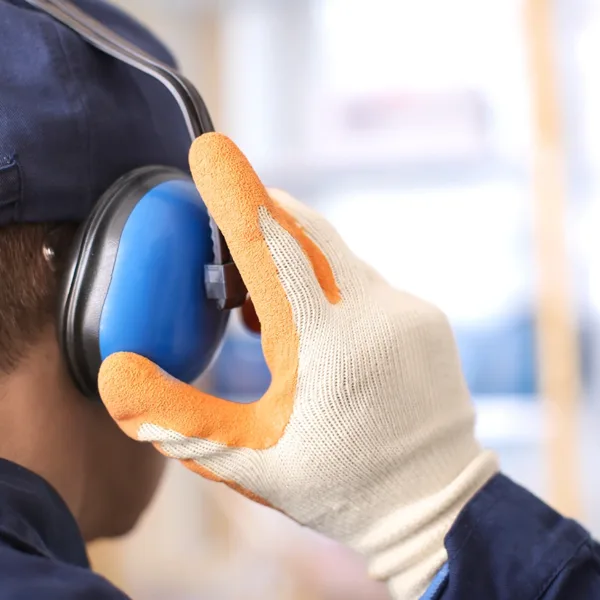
{"x": 8, "y": 162}
{"x": 85, "y": 120}
{"x": 132, "y": 72}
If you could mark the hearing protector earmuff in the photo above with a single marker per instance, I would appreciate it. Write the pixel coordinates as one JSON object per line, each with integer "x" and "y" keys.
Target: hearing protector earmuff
{"x": 149, "y": 271}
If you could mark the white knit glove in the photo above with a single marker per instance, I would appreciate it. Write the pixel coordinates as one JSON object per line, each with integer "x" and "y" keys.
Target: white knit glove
{"x": 366, "y": 432}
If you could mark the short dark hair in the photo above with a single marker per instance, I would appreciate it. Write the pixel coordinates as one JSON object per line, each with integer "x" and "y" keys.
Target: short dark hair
{"x": 28, "y": 286}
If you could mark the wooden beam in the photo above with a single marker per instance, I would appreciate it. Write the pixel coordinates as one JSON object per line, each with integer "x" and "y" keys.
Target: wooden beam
{"x": 558, "y": 360}
{"x": 106, "y": 558}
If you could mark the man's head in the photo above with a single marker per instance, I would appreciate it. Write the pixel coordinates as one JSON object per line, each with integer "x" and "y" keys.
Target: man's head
{"x": 72, "y": 121}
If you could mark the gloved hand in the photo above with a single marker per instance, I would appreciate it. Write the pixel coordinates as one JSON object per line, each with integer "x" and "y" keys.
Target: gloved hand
{"x": 366, "y": 432}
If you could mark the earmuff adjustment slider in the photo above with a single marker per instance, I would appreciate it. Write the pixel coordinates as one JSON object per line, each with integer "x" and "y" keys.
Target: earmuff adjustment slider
{"x": 225, "y": 285}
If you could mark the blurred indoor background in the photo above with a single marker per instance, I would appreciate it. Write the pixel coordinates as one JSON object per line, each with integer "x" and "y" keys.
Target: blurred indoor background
{"x": 456, "y": 146}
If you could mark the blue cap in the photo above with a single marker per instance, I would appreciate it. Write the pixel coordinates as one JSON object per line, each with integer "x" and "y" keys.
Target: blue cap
{"x": 72, "y": 119}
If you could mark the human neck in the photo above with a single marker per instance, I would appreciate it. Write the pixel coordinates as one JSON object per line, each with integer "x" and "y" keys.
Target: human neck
{"x": 38, "y": 425}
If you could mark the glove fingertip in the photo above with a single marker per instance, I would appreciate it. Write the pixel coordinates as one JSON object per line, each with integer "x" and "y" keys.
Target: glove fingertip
{"x": 123, "y": 383}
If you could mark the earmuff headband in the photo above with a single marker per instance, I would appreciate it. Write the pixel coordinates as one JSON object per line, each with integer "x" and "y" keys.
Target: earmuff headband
{"x": 222, "y": 280}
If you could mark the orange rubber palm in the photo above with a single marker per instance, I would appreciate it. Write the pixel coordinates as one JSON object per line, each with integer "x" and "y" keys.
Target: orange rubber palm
{"x": 366, "y": 432}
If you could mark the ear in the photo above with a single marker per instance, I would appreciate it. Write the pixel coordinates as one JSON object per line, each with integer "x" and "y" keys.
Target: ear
{"x": 250, "y": 317}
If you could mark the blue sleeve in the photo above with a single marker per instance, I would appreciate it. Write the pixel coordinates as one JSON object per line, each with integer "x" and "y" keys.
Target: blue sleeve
{"x": 507, "y": 545}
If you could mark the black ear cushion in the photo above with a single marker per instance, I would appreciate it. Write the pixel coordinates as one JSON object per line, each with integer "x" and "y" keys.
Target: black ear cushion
{"x": 89, "y": 270}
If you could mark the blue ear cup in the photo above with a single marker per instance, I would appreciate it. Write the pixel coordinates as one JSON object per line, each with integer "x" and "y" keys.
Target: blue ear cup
{"x": 136, "y": 280}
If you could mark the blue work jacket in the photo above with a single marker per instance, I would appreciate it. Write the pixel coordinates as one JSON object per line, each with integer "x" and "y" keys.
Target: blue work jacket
{"x": 505, "y": 545}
